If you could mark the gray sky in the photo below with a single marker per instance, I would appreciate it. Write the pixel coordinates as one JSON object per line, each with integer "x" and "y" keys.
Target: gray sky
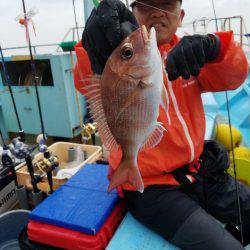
{"x": 55, "y": 17}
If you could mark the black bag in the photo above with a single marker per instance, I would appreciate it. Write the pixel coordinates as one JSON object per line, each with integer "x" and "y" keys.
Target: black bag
{"x": 214, "y": 161}
{"x": 210, "y": 176}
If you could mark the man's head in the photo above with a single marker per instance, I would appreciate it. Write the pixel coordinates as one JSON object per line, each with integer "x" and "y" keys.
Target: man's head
{"x": 165, "y": 15}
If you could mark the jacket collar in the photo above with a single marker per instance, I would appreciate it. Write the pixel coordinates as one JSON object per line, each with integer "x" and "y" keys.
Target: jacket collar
{"x": 166, "y": 47}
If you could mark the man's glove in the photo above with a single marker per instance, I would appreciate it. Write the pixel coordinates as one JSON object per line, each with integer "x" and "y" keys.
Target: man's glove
{"x": 190, "y": 54}
{"x": 106, "y": 27}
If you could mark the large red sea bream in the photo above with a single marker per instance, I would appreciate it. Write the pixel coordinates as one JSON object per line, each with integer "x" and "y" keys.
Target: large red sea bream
{"x": 125, "y": 101}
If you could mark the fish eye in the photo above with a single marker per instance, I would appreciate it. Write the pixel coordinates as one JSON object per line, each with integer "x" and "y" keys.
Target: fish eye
{"x": 127, "y": 51}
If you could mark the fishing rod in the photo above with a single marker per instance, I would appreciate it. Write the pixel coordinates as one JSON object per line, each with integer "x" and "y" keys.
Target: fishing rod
{"x": 73, "y": 2}
{"x": 237, "y": 228}
{"x": 33, "y": 70}
{"x": 41, "y": 141}
{"x": 1, "y": 135}
{"x": 18, "y": 151}
{"x": 215, "y": 16}
{"x": 8, "y": 84}
{"x": 235, "y": 173}
{"x": 88, "y": 130}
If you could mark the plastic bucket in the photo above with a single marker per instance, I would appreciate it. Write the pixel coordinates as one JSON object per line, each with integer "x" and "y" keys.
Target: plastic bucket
{"x": 26, "y": 244}
{"x": 11, "y": 224}
{"x": 60, "y": 149}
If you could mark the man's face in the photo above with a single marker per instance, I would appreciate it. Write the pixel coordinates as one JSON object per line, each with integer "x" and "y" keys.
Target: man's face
{"x": 166, "y": 17}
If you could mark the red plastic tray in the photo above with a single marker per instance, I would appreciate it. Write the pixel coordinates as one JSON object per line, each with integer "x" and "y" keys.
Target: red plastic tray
{"x": 69, "y": 239}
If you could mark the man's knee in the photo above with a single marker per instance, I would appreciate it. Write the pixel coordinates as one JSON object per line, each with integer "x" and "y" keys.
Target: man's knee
{"x": 202, "y": 232}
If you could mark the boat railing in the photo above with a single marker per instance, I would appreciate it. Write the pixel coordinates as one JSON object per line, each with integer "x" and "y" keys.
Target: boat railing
{"x": 235, "y": 23}
{"x": 71, "y": 35}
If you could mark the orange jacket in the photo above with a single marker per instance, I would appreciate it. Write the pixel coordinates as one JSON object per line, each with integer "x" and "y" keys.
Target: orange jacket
{"x": 185, "y": 122}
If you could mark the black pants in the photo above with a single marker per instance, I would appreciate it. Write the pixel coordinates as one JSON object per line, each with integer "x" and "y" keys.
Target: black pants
{"x": 179, "y": 216}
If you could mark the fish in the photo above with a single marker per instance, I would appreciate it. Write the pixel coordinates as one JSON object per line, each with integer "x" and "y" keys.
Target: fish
{"x": 124, "y": 102}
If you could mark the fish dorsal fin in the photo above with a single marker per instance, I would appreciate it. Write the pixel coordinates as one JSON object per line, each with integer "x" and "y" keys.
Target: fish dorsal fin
{"x": 94, "y": 99}
{"x": 155, "y": 136}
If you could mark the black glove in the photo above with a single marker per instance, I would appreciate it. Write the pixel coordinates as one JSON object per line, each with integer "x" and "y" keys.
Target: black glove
{"x": 190, "y": 54}
{"x": 105, "y": 29}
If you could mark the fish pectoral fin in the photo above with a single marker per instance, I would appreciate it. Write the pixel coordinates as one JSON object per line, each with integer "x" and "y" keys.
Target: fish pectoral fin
{"x": 127, "y": 172}
{"x": 155, "y": 136}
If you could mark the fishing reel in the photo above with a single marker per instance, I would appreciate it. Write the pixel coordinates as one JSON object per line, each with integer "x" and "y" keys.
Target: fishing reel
{"x": 7, "y": 157}
{"x": 47, "y": 164}
{"x": 88, "y": 132}
{"x": 41, "y": 141}
{"x": 8, "y": 161}
{"x": 19, "y": 149}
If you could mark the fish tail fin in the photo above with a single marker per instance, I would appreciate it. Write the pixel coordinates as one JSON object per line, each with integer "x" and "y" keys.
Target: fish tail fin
{"x": 127, "y": 172}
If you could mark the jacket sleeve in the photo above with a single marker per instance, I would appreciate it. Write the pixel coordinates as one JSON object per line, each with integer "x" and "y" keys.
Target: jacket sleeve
{"x": 82, "y": 68}
{"x": 228, "y": 71}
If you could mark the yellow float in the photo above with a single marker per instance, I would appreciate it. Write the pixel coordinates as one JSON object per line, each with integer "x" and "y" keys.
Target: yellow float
{"x": 223, "y": 136}
{"x": 242, "y": 154}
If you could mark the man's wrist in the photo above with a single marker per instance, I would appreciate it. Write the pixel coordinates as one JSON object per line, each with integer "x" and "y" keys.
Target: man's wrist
{"x": 215, "y": 52}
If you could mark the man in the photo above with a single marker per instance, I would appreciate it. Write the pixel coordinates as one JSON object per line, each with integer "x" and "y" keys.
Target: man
{"x": 174, "y": 202}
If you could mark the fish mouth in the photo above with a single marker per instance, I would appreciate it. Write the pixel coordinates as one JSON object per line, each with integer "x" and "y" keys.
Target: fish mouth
{"x": 149, "y": 38}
